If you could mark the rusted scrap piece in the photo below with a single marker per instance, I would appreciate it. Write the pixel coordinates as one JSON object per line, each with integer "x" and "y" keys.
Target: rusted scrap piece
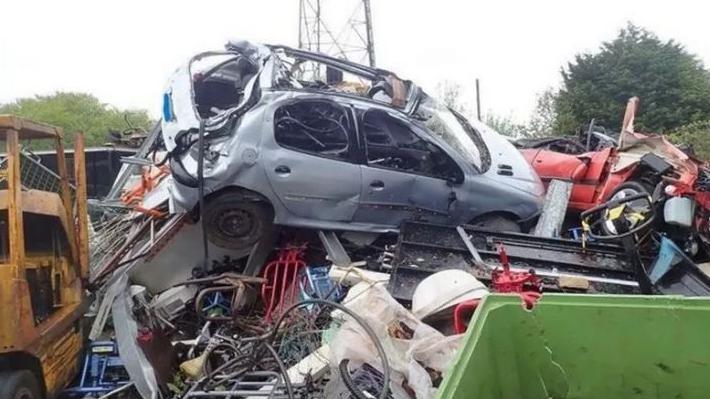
{"x": 66, "y": 194}
{"x": 399, "y": 91}
{"x": 225, "y": 279}
{"x": 14, "y": 205}
{"x": 632, "y": 107}
{"x": 227, "y": 295}
{"x": 574, "y": 282}
{"x": 82, "y": 211}
{"x": 172, "y": 224}
{"x": 131, "y": 241}
{"x": 28, "y": 128}
{"x": 41, "y": 296}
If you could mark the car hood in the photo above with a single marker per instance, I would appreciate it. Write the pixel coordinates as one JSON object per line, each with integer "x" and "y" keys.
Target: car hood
{"x": 507, "y": 164}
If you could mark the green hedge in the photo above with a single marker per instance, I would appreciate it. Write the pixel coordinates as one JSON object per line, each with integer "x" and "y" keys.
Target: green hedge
{"x": 695, "y": 134}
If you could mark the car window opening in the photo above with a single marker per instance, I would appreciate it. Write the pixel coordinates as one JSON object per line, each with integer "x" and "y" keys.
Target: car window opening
{"x": 392, "y": 144}
{"x": 318, "y": 127}
{"x": 222, "y": 87}
{"x": 455, "y": 130}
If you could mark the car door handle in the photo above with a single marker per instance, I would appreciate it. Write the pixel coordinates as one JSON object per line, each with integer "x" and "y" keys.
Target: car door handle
{"x": 282, "y": 170}
{"x": 377, "y": 184}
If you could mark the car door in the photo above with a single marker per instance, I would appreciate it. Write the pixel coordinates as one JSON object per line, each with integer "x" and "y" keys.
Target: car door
{"x": 401, "y": 177}
{"x": 310, "y": 159}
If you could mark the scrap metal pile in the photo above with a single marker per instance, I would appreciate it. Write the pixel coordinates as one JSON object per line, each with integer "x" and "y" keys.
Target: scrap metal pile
{"x": 279, "y": 235}
{"x": 297, "y": 330}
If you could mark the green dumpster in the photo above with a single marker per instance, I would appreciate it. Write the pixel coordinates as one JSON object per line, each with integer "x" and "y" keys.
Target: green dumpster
{"x": 584, "y": 347}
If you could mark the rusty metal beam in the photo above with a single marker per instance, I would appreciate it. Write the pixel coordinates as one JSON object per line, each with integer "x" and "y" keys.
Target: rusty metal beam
{"x": 14, "y": 206}
{"x": 65, "y": 193}
{"x": 27, "y": 129}
{"x": 82, "y": 212}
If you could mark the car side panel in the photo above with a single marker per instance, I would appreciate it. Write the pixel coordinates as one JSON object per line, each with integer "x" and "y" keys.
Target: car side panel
{"x": 314, "y": 187}
{"x": 387, "y": 203}
{"x": 434, "y": 200}
{"x": 308, "y": 186}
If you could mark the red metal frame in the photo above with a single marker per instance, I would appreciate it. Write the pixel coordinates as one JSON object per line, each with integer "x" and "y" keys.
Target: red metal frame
{"x": 525, "y": 284}
{"x": 281, "y": 288}
{"x": 463, "y": 313}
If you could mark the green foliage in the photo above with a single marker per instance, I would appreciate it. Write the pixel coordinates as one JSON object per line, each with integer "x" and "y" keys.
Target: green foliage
{"x": 76, "y": 112}
{"x": 505, "y": 125}
{"x": 540, "y": 124}
{"x": 542, "y": 121}
{"x": 672, "y": 84}
{"x": 449, "y": 93}
{"x": 697, "y": 135}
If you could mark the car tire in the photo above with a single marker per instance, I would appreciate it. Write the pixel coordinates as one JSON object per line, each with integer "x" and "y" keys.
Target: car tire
{"x": 19, "y": 385}
{"x": 235, "y": 222}
{"x": 496, "y": 223}
{"x": 629, "y": 188}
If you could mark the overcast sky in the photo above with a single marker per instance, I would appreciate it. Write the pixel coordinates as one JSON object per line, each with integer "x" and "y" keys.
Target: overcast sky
{"x": 123, "y": 51}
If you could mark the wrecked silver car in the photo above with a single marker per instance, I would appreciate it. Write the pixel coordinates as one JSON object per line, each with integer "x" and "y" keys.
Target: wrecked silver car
{"x": 302, "y": 139}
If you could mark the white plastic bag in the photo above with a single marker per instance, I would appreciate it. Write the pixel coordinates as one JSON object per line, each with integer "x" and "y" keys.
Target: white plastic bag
{"x": 407, "y": 358}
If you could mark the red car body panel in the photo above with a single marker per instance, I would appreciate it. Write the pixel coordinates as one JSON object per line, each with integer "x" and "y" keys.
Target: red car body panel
{"x": 590, "y": 173}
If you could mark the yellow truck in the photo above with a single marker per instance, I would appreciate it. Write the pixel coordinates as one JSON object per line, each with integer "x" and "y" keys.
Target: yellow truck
{"x": 43, "y": 263}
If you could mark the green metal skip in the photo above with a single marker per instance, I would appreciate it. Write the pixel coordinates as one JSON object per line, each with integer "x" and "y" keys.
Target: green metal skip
{"x": 584, "y": 347}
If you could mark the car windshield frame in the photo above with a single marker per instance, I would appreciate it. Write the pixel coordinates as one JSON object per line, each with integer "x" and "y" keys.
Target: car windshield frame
{"x": 453, "y": 129}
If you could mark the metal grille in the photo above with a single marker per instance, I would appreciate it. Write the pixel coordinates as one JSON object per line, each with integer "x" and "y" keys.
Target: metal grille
{"x": 108, "y": 236}
{"x": 33, "y": 175}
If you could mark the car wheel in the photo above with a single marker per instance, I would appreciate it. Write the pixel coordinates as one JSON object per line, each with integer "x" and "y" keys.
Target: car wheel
{"x": 19, "y": 385}
{"x": 496, "y": 223}
{"x": 628, "y": 189}
{"x": 233, "y": 222}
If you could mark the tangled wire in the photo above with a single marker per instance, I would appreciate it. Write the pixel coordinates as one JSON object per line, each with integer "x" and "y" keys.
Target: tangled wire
{"x": 268, "y": 364}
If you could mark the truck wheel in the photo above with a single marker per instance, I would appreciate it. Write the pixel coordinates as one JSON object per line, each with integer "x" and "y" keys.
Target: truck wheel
{"x": 496, "y": 223}
{"x": 19, "y": 385}
{"x": 235, "y": 223}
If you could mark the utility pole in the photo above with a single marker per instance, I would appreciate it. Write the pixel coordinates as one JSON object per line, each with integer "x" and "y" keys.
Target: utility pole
{"x": 370, "y": 43}
{"x": 318, "y": 26}
{"x": 478, "y": 100}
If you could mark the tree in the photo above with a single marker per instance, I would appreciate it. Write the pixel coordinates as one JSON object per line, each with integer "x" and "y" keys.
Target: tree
{"x": 449, "y": 93}
{"x": 505, "y": 125}
{"x": 540, "y": 124}
{"x": 672, "y": 84}
{"x": 695, "y": 135}
{"x": 75, "y": 112}
{"x": 542, "y": 121}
